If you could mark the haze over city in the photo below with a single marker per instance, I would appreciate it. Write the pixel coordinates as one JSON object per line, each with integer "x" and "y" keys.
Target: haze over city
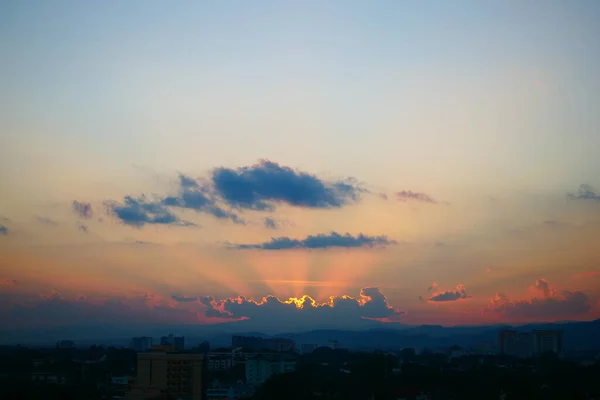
{"x": 293, "y": 166}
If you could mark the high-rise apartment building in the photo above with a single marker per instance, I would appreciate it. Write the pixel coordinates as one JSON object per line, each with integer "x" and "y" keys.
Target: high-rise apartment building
{"x": 143, "y": 343}
{"x": 250, "y": 343}
{"x": 528, "y": 344}
{"x": 177, "y": 341}
{"x": 167, "y": 376}
{"x": 545, "y": 341}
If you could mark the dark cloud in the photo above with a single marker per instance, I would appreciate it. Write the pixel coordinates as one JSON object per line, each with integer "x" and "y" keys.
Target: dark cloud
{"x": 140, "y": 211}
{"x": 585, "y": 192}
{"x": 406, "y": 195}
{"x": 46, "y": 221}
{"x": 370, "y": 304}
{"x": 263, "y": 185}
{"x": 547, "y": 305}
{"x": 54, "y": 309}
{"x": 268, "y": 314}
{"x": 450, "y": 295}
{"x": 3, "y": 230}
{"x": 270, "y": 223}
{"x": 183, "y": 299}
{"x": 433, "y": 286}
{"x": 543, "y": 286}
{"x": 200, "y": 199}
{"x": 83, "y": 209}
{"x": 320, "y": 241}
{"x": 82, "y": 227}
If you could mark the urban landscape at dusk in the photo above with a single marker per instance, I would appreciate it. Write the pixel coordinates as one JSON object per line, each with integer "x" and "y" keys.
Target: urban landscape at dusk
{"x": 299, "y": 200}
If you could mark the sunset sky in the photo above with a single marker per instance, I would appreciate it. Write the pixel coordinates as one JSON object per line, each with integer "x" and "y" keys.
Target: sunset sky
{"x": 395, "y": 161}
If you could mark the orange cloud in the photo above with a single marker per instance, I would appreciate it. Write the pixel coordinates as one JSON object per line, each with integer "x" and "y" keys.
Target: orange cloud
{"x": 585, "y": 275}
{"x": 545, "y": 305}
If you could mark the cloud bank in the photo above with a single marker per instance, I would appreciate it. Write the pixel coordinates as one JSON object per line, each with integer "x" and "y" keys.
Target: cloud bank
{"x": 370, "y": 304}
{"x": 270, "y": 313}
{"x": 260, "y": 187}
{"x": 547, "y": 304}
{"x": 320, "y": 241}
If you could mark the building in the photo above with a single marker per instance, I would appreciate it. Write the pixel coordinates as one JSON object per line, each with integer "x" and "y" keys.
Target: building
{"x": 263, "y": 366}
{"x": 545, "y": 341}
{"x": 220, "y": 390}
{"x": 220, "y": 362}
{"x": 177, "y": 341}
{"x": 65, "y": 344}
{"x": 167, "y": 375}
{"x": 119, "y": 380}
{"x": 528, "y": 344}
{"x": 308, "y": 348}
{"x": 251, "y": 343}
{"x": 60, "y": 378}
{"x": 143, "y": 343}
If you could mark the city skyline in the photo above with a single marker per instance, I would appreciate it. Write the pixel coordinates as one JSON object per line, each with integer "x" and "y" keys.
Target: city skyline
{"x": 308, "y": 165}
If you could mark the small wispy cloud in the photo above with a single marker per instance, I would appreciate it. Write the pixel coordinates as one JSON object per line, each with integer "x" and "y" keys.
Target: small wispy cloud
{"x": 408, "y": 195}
{"x": 320, "y": 241}
{"x": 46, "y": 221}
{"x": 83, "y": 209}
{"x": 82, "y": 227}
{"x": 585, "y": 192}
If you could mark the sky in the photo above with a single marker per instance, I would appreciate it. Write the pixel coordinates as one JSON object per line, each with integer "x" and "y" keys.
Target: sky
{"x": 299, "y": 164}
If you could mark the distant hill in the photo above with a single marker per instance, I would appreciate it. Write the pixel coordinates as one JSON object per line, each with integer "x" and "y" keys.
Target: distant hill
{"x": 577, "y": 335}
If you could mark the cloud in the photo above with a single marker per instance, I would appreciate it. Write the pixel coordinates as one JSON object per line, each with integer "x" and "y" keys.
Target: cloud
{"x": 320, "y": 241}
{"x": 547, "y": 304}
{"x": 586, "y": 275}
{"x": 432, "y": 287}
{"x": 8, "y": 282}
{"x": 200, "y": 199}
{"x": 55, "y": 309}
{"x": 544, "y": 287}
{"x": 370, "y": 304}
{"x": 3, "y": 230}
{"x": 140, "y": 211}
{"x": 84, "y": 210}
{"x": 46, "y": 221}
{"x": 270, "y": 223}
{"x": 269, "y": 314}
{"x": 406, "y": 195}
{"x": 82, "y": 227}
{"x": 585, "y": 192}
{"x": 264, "y": 185}
{"x": 450, "y": 295}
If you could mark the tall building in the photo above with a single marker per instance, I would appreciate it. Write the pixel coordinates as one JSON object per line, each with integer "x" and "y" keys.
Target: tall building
{"x": 528, "y": 344}
{"x": 262, "y": 366}
{"x": 167, "y": 376}
{"x": 177, "y": 341}
{"x": 545, "y": 341}
{"x": 251, "y": 343}
{"x": 143, "y": 343}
